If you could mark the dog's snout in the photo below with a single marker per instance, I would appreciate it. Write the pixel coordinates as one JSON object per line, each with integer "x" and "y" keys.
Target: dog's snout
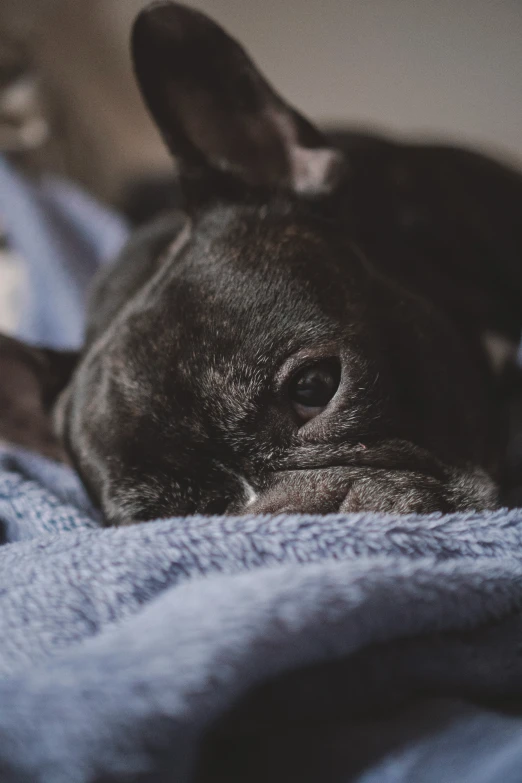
{"x": 221, "y": 491}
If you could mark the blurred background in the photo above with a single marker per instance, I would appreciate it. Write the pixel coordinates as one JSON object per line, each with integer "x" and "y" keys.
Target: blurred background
{"x": 441, "y": 69}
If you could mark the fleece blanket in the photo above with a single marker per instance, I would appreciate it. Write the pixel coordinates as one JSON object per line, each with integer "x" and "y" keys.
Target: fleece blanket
{"x": 343, "y": 648}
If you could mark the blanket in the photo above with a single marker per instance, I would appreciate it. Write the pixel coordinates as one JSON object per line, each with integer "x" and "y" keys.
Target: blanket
{"x": 343, "y": 648}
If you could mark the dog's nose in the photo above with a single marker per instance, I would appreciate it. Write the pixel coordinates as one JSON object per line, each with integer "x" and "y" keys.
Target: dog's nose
{"x": 226, "y": 493}
{"x": 244, "y": 498}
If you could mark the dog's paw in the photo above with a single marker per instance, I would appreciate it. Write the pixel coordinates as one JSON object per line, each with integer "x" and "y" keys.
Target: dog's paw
{"x": 354, "y": 489}
{"x": 406, "y": 492}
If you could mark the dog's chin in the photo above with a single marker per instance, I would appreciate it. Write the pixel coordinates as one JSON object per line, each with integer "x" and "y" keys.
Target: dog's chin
{"x": 364, "y": 489}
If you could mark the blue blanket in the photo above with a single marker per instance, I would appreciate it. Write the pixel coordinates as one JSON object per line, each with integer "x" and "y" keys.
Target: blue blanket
{"x": 345, "y": 648}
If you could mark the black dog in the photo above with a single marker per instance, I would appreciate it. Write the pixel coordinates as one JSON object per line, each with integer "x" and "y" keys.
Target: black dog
{"x": 319, "y": 331}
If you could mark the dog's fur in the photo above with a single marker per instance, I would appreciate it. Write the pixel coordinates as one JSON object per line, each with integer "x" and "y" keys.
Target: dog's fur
{"x": 403, "y": 262}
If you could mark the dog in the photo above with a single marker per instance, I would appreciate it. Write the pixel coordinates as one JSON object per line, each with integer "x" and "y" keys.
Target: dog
{"x": 318, "y": 330}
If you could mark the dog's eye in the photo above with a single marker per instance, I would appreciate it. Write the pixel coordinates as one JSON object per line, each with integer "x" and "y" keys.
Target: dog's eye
{"x": 312, "y": 388}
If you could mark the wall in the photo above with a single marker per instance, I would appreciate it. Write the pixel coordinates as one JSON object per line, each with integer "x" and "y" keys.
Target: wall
{"x": 443, "y": 67}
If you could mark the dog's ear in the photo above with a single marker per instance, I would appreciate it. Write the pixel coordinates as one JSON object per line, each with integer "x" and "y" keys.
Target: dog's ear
{"x": 30, "y": 381}
{"x": 217, "y": 112}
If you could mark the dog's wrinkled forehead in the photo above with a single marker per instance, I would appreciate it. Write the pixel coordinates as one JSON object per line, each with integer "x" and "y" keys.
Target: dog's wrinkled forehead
{"x": 249, "y": 288}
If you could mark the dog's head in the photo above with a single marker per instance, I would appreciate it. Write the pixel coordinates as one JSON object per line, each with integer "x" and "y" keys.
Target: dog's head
{"x": 247, "y": 356}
